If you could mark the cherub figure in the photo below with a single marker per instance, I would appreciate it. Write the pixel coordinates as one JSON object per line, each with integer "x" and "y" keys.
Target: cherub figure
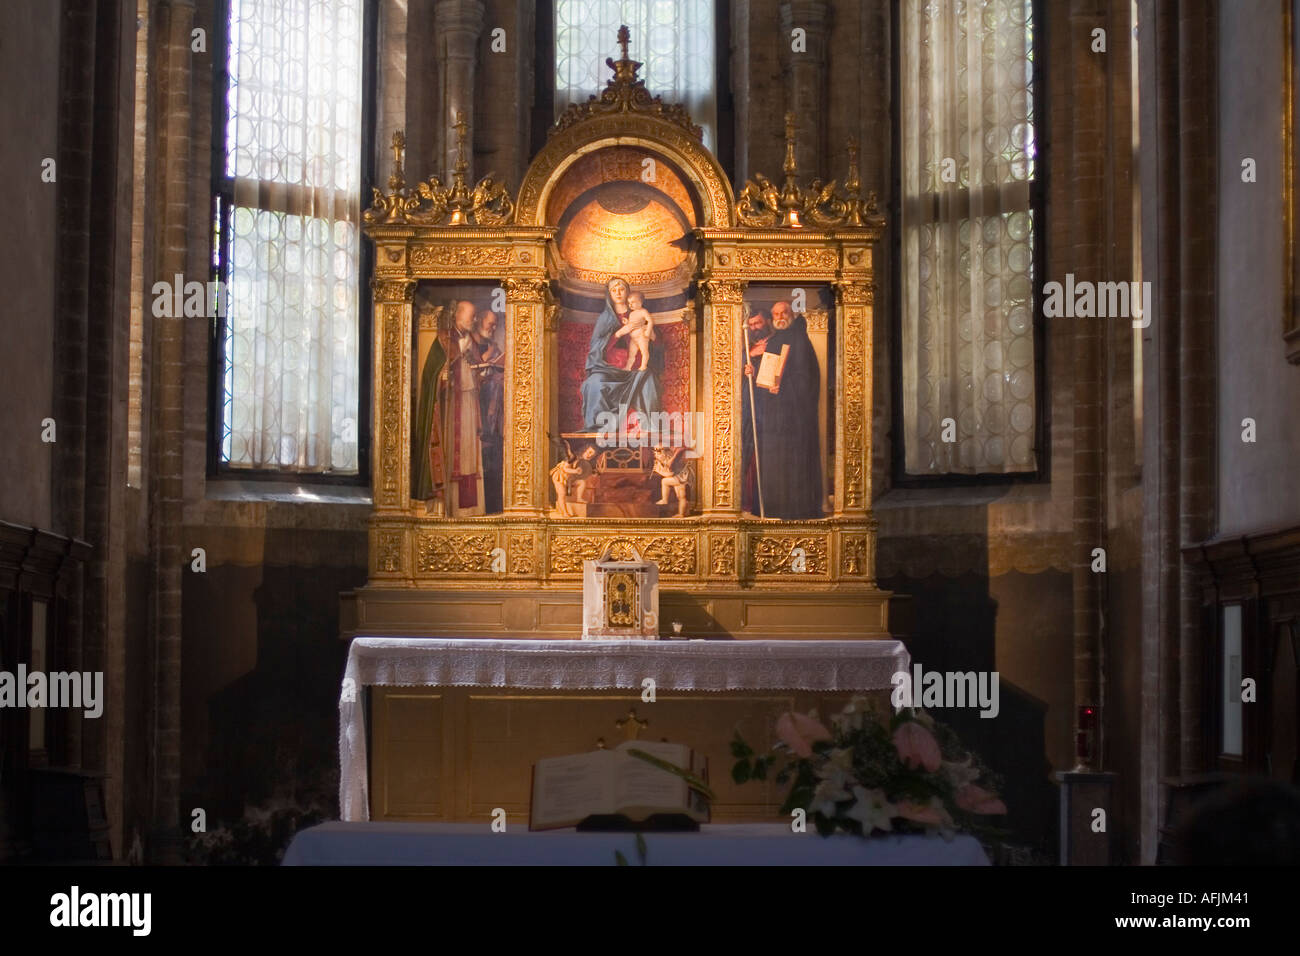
{"x": 570, "y": 476}
{"x": 640, "y": 330}
{"x": 675, "y": 478}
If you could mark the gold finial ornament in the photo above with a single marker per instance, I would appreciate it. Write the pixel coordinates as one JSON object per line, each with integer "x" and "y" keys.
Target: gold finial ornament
{"x": 822, "y": 204}
{"x": 625, "y": 93}
{"x": 631, "y": 725}
{"x": 430, "y": 202}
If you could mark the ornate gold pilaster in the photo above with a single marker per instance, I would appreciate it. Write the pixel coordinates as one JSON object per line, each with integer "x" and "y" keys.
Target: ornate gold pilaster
{"x": 853, "y": 426}
{"x": 723, "y": 304}
{"x": 526, "y": 302}
{"x": 391, "y": 435}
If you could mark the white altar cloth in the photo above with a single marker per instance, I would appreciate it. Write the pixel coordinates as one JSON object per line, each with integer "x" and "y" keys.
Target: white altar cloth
{"x": 850, "y": 665}
{"x": 719, "y": 844}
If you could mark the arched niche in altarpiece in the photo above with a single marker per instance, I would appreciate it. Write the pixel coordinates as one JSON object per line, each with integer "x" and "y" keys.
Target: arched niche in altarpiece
{"x": 531, "y": 409}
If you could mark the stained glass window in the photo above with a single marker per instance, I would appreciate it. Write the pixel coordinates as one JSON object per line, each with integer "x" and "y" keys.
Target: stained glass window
{"x": 287, "y": 237}
{"x": 969, "y": 159}
{"x": 672, "y": 39}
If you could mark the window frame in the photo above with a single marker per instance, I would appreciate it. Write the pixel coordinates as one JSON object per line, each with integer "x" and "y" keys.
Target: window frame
{"x": 221, "y": 191}
{"x": 1038, "y": 192}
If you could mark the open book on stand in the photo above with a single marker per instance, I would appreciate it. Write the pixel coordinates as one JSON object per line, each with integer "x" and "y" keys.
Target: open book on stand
{"x": 613, "y": 790}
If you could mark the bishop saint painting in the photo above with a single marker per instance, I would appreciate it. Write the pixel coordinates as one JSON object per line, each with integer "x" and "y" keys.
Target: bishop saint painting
{"x": 449, "y": 466}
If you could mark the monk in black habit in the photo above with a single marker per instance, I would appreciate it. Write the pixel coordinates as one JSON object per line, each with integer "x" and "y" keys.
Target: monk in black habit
{"x": 789, "y": 447}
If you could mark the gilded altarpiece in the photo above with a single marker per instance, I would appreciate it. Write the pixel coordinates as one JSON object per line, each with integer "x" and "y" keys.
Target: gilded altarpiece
{"x": 723, "y": 569}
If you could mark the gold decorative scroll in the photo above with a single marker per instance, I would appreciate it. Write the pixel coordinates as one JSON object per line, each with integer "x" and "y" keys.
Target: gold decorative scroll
{"x": 521, "y": 400}
{"x": 521, "y": 550}
{"x": 784, "y": 257}
{"x": 854, "y": 555}
{"x": 724, "y": 297}
{"x": 775, "y": 554}
{"x": 722, "y": 554}
{"x": 393, "y": 412}
{"x": 452, "y": 553}
{"x": 388, "y": 549}
{"x": 393, "y": 290}
{"x": 675, "y": 553}
{"x": 854, "y": 299}
{"x": 428, "y": 255}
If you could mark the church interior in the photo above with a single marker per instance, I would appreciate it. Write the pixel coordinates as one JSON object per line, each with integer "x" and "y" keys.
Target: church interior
{"x": 399, "y": 393}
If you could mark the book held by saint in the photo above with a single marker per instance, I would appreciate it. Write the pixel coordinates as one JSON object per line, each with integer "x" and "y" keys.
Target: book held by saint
{"x": 770, "y": 368}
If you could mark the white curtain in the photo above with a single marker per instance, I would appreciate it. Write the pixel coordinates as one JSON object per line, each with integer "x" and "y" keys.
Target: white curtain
{"x": 672, "y": 39}
{"x": 968, "y": 235}
{"x": 293, "y": 154}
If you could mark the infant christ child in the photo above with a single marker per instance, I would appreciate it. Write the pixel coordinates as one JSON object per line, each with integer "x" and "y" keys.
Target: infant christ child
{"x": 640, "y": 330}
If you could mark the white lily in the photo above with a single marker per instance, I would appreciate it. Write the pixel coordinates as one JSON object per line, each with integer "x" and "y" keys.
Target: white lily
{"x": 832, "y": 789}
{"x": 872, "y": 810}
{"x": 960, "y": 774}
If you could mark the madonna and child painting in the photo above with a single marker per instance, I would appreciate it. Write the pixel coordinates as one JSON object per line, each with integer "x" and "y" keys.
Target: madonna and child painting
{"x": 629, "y": 440}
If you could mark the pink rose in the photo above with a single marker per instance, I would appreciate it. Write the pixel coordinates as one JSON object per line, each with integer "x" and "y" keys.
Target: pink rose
{"x": 799, "y": 732}
{"x": 917, "y": 747}
{"x": 932, "y": 814}
{"x": 975, "y": 799}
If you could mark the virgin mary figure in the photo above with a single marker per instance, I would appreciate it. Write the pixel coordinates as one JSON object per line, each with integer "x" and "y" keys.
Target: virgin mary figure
{"x": 609, "y": 388}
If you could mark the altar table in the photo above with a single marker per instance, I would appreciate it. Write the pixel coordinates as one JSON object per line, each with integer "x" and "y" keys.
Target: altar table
{"x": 695, "y": 675}
{"x": 753, "y": 844}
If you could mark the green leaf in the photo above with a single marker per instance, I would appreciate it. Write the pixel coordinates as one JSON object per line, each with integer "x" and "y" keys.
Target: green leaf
{"x": 619, "y": 858}
{"x": 640, "y": 848}
{"x": 739, "y": 748}
{"x": 740, "y": 772}
{"x": 695, "y": 782}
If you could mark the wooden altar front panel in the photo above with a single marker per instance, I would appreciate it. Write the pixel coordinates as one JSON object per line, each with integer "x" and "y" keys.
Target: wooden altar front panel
{"x": 454, "y": 754}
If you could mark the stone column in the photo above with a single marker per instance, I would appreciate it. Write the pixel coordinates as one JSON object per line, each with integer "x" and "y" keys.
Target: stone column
{"x": 457, "y": 26}
{"x": 1197, "y": 179}
{"x": 75, "y": 167}
{"x": 805, "y": 79}
{"x": 504, "y": 95}
{"x": 740, "y": 85}
{"x": 174, "y": 63}
{"x": 1158, "y": 61}
{"x": 392, "y": 81}
{"x": 1087, "y": 242}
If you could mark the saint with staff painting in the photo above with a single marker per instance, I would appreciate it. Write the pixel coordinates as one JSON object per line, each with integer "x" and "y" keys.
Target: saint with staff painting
{"x": 780, "y": 446}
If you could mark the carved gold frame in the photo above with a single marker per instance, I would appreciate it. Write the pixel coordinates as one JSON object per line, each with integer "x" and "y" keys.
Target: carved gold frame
{"x": 717, "y": 548}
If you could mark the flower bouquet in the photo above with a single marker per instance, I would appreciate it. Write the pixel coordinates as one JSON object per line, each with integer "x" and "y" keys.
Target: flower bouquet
{"x": 874, "y": 772}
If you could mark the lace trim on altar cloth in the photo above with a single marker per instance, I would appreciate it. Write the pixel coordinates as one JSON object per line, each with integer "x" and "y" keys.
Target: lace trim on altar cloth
{"x": 710, "y": 666}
